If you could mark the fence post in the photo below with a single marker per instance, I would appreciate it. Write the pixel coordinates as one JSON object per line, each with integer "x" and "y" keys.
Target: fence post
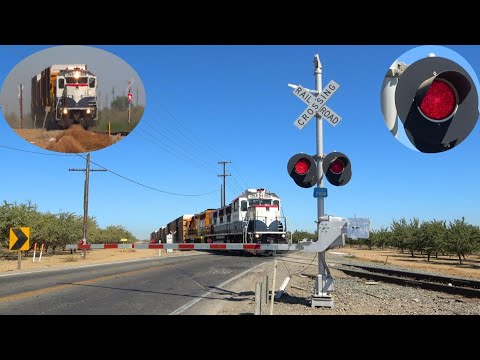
{"x": 273, "y": 286}
{"x": 258, "y": 298}
{"x": 265, "y": 289}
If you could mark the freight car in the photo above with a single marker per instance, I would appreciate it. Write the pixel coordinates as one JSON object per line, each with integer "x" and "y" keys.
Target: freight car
{"x": 62, "y": 95}
{"x": 252, "y": 217}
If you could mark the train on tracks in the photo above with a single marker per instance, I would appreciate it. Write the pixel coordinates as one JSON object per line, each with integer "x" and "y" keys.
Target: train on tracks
{"x": 63, "y": 95}
{"x": 252, "y": 217}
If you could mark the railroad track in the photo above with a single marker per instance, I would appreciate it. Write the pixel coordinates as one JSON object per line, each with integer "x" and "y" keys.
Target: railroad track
{"x": 446, "y": 284}
{"x": 113, "y": 133}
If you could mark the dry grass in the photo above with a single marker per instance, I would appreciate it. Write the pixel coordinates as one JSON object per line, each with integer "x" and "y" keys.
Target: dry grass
{"x": 71, "y": 258}
{"x": 444, "y": 264}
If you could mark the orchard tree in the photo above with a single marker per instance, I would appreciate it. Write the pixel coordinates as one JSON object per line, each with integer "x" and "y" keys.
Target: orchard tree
{"x": 463, "y": 238}
{"x": 432, "y": 236}
{"x": 298, "y": 236}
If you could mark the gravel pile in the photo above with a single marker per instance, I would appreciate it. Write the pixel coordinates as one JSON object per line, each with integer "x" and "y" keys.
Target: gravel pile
{"x": 352, "y": 296}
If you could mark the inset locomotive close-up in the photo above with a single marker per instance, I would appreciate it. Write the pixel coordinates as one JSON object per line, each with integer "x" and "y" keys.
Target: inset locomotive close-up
{"x": 63, "y": 95}
{"x": 72, "y": 99}
{"x": 255, "y": 216}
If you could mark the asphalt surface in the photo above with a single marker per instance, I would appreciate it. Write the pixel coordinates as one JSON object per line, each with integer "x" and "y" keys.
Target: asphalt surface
{"x": 143, "y": 287}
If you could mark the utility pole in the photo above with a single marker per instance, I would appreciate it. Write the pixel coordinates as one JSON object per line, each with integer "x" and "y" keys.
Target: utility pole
{"x": 21, "y": 106}
{"x": 85, "y": 199}
{"x": 130, "y": 100}
{"x": 129, "y": 105}
{"x": 221, "y": 195}
{"x": 224, "y": 176}
{"x": 136, "y": 103}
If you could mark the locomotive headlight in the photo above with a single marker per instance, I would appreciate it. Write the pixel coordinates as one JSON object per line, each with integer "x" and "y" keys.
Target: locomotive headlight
{"x": 257, "y": 236}
{"x": 65, "y": 111}
{"x": 76, "y": 74}
{"x": 283, "y": 236}
{"x": 88, "y": 111}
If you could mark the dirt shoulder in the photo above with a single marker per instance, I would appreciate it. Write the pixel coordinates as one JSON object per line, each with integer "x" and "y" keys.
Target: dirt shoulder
{"x": 352, "y": 296}
{"x": 73, "y": 140}
{"x": 448, "y": 265}
{"x": 93, "y": 257}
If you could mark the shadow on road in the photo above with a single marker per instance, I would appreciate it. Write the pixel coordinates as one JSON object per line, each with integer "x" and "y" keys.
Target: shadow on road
{"x": 142, "y": 291}
{"x": 244, "y": 295}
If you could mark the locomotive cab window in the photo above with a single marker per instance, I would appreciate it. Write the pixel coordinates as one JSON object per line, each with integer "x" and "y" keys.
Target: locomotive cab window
{"x": 61, "y": 83}
{"x": 91, "y": 82}
{"x": 276, "y": 202}
{"x": 260, "y": 202}
{"x": 243, "y": 205}
{"x": 72, "y": 80}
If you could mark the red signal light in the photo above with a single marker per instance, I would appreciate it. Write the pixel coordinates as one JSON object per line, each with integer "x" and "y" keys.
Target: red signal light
{"x": 302, "y": 166}
{"x": 337, "y": 166}
{"x": 439, "y": 102}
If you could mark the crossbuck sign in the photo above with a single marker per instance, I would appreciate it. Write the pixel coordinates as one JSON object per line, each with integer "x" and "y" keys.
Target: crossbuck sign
{"x": 316, "y": 104}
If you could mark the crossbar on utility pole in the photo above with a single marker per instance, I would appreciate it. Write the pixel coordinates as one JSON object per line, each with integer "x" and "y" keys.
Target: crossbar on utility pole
{"x": 224, "y": 176}
{"x": 85, "y": 199}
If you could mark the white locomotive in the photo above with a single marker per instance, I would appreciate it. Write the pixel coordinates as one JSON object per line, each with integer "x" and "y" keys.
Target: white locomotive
{"x": 63, "y": 95}
{"x": 252, "y": 217}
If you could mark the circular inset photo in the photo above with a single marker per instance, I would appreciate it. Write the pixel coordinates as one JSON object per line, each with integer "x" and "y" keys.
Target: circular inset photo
{"x": 429, "y": 99}
{"x": 73, "y": 99}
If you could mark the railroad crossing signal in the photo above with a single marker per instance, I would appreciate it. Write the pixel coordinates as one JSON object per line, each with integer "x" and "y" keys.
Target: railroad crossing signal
{"x": 337, "y": 168}
{"x": 436, "y": 100}
{"x": 19, "y": 238}
{"x": 306, "y": 173}
{"x": 316, "y": 104}
{"x": 130, "y": 96}
{"x": 303, "y": 170}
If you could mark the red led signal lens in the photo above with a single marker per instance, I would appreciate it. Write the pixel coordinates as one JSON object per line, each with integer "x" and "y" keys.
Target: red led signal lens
{"x": 439, "y": 102}
{"x": 337, "y": 166}
{"x": 302, "y": 166}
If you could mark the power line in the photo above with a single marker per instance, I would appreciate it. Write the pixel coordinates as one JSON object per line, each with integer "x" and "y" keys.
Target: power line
{"x": 193, "y": 158}
{"x": 113, "y": 172}
{"x": 146, "y": 186}
{"x": 192, "y": 151}
{"x": 240, "y": 176}
{"x": 169, "y": 150}
{"x": 34, "y": 152}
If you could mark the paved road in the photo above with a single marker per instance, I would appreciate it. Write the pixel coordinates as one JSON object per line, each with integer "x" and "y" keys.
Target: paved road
{"x": 155, "y": 286}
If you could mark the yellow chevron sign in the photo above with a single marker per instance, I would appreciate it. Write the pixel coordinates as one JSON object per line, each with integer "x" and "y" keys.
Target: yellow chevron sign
{"x": 19, "y": 238}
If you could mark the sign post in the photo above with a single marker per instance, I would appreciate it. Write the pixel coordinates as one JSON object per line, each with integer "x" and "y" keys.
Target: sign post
{"x": 19, "y": 240}
{"x": 124, "y": 241}
{"x": 169, "y": 241}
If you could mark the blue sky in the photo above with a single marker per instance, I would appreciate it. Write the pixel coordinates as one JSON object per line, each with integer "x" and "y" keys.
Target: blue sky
{"x": 206, "y": 104}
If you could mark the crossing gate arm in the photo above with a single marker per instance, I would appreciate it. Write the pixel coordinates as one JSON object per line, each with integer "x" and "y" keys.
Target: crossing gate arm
{"x": 332, "y": 234}
{"x": 183, "y": 246}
